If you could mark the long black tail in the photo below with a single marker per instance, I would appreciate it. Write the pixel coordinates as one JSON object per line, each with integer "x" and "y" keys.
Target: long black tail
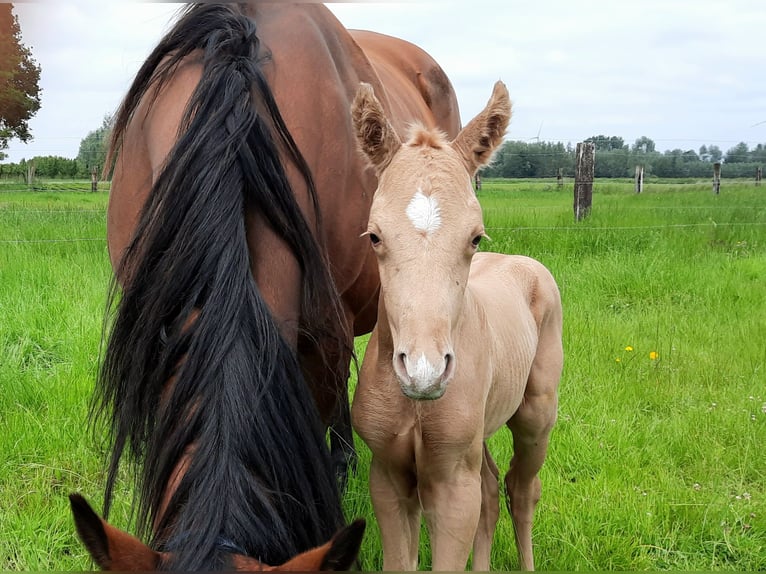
{"x": 259, "y": 473}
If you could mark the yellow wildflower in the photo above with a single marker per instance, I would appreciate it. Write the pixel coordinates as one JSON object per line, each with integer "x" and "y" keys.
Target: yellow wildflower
{"x": 654, "y": 355}
{"x": 628, "y": 348}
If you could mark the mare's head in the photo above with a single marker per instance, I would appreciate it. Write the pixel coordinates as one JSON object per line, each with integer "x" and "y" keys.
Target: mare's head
{"x": 115, "y": 550}
{"x": 425, "y": 226}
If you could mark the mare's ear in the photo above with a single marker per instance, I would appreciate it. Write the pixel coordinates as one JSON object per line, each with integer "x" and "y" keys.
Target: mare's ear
{"x": 344, "y": 547}
{"x": 110, "y": 548}
{"x": 337, "y": 555}
{"x": 375, "y": 134}
{"x": 484, "y": 133}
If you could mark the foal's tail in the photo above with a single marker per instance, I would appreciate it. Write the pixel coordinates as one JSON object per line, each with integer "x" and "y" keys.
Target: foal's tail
{"x": 239, "y": 405}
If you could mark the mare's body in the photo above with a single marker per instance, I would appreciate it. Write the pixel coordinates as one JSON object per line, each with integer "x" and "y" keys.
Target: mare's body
{"x": 237, "y": 204}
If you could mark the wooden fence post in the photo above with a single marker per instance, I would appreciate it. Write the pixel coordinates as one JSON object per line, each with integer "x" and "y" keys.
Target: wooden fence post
{"x": 93, "y": 180}
{"x": 583, "y": 187}
{"x": 717, "y": 177}
{"x": 560, "y": 178}
{"x": 31, "y": 174}
{"x": 639, "y": 178}
{"x": 758, "y": 174}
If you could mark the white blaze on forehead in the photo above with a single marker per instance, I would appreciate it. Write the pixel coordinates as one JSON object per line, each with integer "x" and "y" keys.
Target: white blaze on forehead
{"x": 424, "y": 212}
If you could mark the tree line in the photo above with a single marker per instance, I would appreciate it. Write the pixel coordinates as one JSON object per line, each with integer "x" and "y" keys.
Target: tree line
{"x": 515, "y": 159}
{"x": 614, "y": 158}
{"x": 91, "y": 156}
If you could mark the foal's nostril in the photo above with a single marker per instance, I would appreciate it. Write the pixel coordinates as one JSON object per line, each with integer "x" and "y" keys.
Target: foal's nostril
{"x": 400, "y": 364}
{"x": 449, "y": 367}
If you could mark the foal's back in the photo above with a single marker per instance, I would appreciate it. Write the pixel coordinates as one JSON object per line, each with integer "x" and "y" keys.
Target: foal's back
{"x": 520, "y": 319}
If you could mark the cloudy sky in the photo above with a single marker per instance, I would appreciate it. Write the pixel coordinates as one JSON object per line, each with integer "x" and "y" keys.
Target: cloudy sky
{"x": 682, "y": 72}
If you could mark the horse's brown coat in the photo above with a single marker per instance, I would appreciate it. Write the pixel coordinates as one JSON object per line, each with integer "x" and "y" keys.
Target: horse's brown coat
{"x": 313, "y": 66}
{"x": 316, "y": 65}
{"x": 465, "y": 343}
{"x": 117, "y": 551}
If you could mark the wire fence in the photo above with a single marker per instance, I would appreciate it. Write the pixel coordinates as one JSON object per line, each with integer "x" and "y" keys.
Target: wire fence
{"x": 10, "y": 209}
{"x": 516, "y": 208}
{"x": 712, "y": 224}
{"x": 57, "y": 211}
{"x": 73, "y": 240}
{"x": 512, "y": 229}
{"x": 10, "y": 185}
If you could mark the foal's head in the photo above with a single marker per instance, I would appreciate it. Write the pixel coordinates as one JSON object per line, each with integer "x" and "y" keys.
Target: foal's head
{"x": 115, "y": 550}
{"x": 425, "y": 226}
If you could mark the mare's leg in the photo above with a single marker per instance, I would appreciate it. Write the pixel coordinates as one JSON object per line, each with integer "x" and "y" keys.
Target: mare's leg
{"x": 490, "y": 510}
{"x": 451, "y": 492}
{"x": 531, "y": 426}
{"x": 328, "y": 377}
{"x": 342, "y": 440}
{"x": 326, "y": 371}
{"x": 395, "y": 501}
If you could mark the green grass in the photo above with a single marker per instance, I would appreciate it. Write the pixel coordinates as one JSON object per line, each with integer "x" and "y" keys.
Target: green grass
{"x": 654, "y": 464}
{"x": 53, "y": 275}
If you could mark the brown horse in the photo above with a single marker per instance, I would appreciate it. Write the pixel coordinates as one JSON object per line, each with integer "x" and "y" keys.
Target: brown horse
{"x": 237, "y": 204}
{"x": 118, "y": 551}
{"x": 465, "y": 343}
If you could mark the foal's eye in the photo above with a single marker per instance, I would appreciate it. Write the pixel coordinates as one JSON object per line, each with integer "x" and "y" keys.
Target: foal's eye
{"x": 476, "y": 240}
{"x": 374, "y": 239}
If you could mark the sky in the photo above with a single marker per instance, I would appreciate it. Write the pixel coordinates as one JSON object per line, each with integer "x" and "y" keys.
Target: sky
{"x": 683, "y": 73}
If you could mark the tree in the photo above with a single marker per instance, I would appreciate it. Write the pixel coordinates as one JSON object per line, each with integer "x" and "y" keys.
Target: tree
{"x": 19, "y": 81}
{"x": 612, "y": 163}
{"x": 55, "y": 166}
{"x": 738, "y": 154}
{"x": 643, "y": 145}
{"x": 606, "y": 143}
{"x": 92, "y": 153}
{"x": 715, "y": 153}
{"x": 758, "y": 154}
{"x": 690, "y": 156}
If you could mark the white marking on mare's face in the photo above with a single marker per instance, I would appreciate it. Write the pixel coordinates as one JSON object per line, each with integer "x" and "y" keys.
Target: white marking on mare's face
{"x": 424, "y": 212}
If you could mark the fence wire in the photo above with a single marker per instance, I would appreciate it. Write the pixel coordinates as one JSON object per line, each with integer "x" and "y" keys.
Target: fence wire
{"x": 710, "y": 224}
{"x": 73, "y": 240}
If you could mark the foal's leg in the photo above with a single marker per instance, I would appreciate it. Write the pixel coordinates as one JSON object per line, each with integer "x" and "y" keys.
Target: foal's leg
{"x": 523, "y": 487}
{"x": 531, "y": 426}
{"x": 395, "y": 502}
{"x": 450, "y": 493}
{"x": 482, "y": 543}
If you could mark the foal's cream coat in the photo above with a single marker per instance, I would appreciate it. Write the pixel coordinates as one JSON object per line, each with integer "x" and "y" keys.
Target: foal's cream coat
{"x": 465, "y": 343}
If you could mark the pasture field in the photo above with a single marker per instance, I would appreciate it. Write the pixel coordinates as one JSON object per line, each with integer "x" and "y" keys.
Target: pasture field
{"x": 658, "y": 459}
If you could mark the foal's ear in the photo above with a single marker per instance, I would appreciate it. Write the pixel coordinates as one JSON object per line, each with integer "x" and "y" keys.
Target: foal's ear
{"x": 375, "y": 134}
{"x": 476, "y": 141}
{"x": 338, "y": 555}
{"x": 110, "y": 548}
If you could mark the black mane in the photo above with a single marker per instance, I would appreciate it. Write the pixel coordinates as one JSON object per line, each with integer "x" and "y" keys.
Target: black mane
{"x": 260, "y": 475}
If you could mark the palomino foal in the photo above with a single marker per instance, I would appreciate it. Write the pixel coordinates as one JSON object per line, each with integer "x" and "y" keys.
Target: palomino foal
{"x": 465, "y": 343}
